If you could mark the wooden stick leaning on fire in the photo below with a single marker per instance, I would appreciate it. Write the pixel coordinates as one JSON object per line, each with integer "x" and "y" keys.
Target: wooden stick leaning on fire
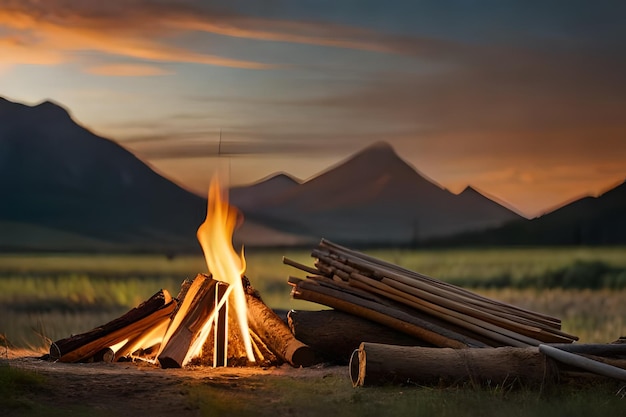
{"x": 435, "y": 311}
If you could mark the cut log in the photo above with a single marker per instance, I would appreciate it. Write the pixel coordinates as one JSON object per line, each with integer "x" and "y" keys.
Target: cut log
{"x": 273, "y": 331}
{"x": 376, "y": 364}
{"x": 85, "y": 345}
{"x": 189, "y": 321}
{"x": 334, "y": 335}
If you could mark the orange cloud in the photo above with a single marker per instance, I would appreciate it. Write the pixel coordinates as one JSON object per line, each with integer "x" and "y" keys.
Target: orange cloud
{"x": 38, "y": 38}
{"x": 127, "y": 70}
{"x": 144, "y": 30}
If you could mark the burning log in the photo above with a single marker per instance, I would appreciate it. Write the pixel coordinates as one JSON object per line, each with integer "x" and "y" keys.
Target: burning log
{"x": 334, "y": 335}
{"x": 153, "y": 312}
{"x": 188, "y": 322}
{"x": 376, "y": 364}
{"x": 272, "y": 341}
{"x": 273, "y": 331}
{"x": 447, "y": 315}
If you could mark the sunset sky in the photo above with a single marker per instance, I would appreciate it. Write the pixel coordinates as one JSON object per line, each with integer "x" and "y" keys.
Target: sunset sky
{"x": 525, "y": 100}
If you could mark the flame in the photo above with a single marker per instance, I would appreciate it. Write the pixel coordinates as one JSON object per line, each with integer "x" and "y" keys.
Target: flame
{"x": 117, "y": 346}
{"x": 215, "y": 236}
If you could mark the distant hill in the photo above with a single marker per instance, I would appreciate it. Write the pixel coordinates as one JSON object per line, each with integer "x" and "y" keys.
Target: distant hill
{"x": 588, "y": 221}
{"x": 372, "y": 197}
{"x": 59, "y": 179}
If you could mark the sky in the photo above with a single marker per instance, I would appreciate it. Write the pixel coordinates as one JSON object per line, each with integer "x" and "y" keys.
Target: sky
{"x": 523, "y": 100}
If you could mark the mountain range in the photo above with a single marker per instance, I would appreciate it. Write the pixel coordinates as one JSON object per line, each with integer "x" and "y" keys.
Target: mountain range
{"x": 64, "y": 188}
{"x": 587, "y": 221}
{"x": 373, "y": 196}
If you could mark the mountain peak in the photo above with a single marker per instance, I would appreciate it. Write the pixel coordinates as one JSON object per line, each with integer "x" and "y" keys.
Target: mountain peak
{"x": 379, "y": 148}
{"x": 51, "y": 108}
{"x": 281, "y": 177}
{"x": 47, "y": 109}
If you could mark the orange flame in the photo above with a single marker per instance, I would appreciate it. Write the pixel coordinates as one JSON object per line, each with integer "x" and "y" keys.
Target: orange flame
{"x": 215, "y": 236}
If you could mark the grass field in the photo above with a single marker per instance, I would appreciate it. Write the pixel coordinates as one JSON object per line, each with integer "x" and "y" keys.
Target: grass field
{"x": 52, "y": 296}
{"x": 48, "y": 297}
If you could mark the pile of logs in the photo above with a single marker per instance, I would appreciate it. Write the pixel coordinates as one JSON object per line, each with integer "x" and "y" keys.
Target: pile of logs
{"x": 173, "y": 332}
{"x": 431, "y": 310}
{"x": 391, "y": 325}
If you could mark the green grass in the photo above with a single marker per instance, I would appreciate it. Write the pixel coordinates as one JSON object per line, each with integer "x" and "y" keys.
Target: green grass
{"x": 51, "y": 296}
{"x": 332, "y": 395}
{"x": 16, "y": 386}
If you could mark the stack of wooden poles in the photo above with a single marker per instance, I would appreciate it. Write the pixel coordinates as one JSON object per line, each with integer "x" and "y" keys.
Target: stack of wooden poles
{"x": 437, "y": 312}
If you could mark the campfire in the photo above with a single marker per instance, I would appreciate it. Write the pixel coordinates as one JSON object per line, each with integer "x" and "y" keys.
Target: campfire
{"x": 386, "y": 322}
{"x": 216, "y": 319}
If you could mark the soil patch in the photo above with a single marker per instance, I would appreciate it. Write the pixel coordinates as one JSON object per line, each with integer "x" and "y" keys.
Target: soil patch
{"x": 132, "y": 389}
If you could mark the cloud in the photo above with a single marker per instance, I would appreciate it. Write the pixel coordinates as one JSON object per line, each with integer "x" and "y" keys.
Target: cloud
{"x": 127, "y": 70}
{"x": 49, "y": 32}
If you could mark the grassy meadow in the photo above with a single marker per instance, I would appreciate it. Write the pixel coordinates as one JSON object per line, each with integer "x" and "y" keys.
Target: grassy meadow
{"x": 46, "y": 297}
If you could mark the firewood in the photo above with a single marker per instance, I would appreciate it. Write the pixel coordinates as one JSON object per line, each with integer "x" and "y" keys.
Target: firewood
{"x": 334, "y": 335}
{"x": 380, "y": 268}
{"x": 273, "y": 331}
{"x": 190, "y": 318}
{"x": 479, "y": 318}
{"x": 376, "y": 364}
{"x": 236, "y": 354}
{"x": 479, "y": 326}
{"x": 148, "y": 340}
{"x": 85, "y": 345}
{"x": 397, "y": 319}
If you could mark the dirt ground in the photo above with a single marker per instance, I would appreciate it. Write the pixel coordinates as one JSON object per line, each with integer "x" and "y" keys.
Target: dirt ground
{"x": 133, "y": 389}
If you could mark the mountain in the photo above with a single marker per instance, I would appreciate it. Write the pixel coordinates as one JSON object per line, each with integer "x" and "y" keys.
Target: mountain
{"x": 59, "y": 180}
{"x": 64, "y": 188}
{"x": 588, "y": 221}
{"x": 372, "y": 197}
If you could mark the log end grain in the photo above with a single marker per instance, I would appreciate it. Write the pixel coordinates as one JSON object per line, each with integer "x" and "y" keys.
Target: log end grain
{"x": 301, "y": 356}
{"x": 168, "y": 362}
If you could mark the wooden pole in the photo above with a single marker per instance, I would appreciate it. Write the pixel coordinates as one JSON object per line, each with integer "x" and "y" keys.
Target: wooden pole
{"x": 380, "y": 268}
{"x": 582, "y": 362}
{"x": 220, "y": 328}
{"x": 399, "y": 320}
